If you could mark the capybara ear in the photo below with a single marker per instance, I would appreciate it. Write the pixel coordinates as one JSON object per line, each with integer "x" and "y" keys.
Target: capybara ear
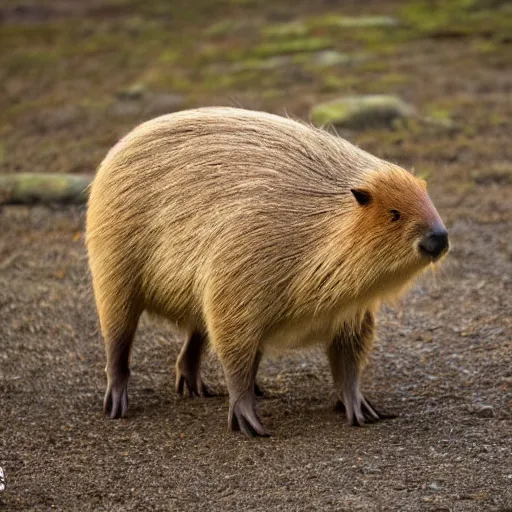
{"x": 362, "y": 195}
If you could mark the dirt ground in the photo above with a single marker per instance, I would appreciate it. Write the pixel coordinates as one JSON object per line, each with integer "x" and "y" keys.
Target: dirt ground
{"x": 76, "y": 77}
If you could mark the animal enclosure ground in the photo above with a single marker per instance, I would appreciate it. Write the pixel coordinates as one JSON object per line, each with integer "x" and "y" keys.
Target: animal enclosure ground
{"x": 79, "y": 75}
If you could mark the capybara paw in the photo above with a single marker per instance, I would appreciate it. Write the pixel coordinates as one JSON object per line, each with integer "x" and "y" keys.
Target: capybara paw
{"x": 361, "y": 411}
{"x": 243, "y": 418}
{"x": 115, "y": 404}
{"x": 193, "y": 383}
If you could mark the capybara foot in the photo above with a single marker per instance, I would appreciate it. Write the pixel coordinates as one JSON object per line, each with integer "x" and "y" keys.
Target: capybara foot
{"x": 191, "y": 380}
{"x": 115, "y": 403}
{"x": 363, "y": 413}
{"x": 243, "y": 417}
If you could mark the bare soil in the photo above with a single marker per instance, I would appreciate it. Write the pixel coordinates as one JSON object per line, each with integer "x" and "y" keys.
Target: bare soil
{"x": 443, "y": 358}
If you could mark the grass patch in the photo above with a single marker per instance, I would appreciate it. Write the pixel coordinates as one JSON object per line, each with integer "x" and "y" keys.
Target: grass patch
{"x": 456, "y": 18}
{"x": 291, "y": 46}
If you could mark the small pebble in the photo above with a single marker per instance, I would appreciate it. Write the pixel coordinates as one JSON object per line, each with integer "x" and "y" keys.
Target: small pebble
{"x": 483, "y": 410}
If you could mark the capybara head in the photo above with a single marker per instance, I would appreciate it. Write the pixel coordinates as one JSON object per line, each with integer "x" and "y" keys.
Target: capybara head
{"x": 396, "y": 229}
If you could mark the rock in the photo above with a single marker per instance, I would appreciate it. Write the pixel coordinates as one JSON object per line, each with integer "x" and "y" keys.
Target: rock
{"x": 438, "y": 124}
{"x": 288, "y": 47}
{"x": 27, "y": 188}
{"x": 134, "y": 92}
{"x": 284, "y": 30}
{"x": 330, "y": 58}
{"x": 126, "y": 108}
{"x": 256, "y": 64}
{"x": 333, "y": 20}
{"x": 164, "y": 103}
{"x": 302, "y": 28}
{"x": 136, "y": 100}
{"x": 483, "y": 410}
{"x": 362, "y": 112}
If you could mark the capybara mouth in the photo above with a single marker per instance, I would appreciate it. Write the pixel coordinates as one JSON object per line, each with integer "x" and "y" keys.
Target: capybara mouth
{"x": 434, "y": 258}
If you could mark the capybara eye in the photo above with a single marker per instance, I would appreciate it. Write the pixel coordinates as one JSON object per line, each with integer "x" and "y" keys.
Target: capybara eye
{"x": 395, "y": 215}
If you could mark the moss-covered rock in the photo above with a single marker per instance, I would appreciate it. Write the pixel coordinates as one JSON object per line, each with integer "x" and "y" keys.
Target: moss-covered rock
{"x": 286, "y": 30}
{"x": 337, "y": 21}
{"x": 332, "y": 58}
{"x": 362, "y": 112}
{"x": 458, "y": 18}
{"x": 287, "y": 47}
{"x": 27, "y": 188}
{"x": 132, "y": 92}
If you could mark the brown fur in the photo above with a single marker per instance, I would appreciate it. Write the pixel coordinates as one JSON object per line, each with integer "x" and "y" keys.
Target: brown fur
{"x": 241, "y": 226}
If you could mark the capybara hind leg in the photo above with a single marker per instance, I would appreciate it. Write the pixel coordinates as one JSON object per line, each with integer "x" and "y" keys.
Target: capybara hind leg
{"x": 118, "y": 332}
{"x": 188, "y": 365}
{"x": 118, "y": 373}
{"x": 347, "y": 355}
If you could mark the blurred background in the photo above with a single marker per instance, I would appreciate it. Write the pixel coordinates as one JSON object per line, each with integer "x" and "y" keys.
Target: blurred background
{"x": 424, "y": 83}
{"x": 77, "y": 75}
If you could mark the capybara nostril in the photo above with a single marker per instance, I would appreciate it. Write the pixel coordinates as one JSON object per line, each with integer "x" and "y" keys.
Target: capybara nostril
{"x": 435, "y": 243}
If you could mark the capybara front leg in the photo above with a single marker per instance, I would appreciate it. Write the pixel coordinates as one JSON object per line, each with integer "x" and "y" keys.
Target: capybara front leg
{"x": 347, "y": 355}
{"x": 257, "y": 390}
{"x": 188, "y": 365}
{"x": 240, "y": 370}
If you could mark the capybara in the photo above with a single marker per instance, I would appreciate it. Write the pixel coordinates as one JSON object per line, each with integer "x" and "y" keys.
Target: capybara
{"x": 252, "y": 232}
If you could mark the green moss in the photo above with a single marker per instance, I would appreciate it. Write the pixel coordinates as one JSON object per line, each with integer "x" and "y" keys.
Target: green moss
{"x": 221, "y": 28}
{"x": 271, "y": 94}
{"x": 455, "y": 18}
{"x": 485, "y": 46}
{"x": 169, "y": 56}
{"x": 439, "y": 113}
{"x": 424, "y": 173}
{"x": 379, "y": 65}
{"x": 292, "y": 46}
{"x": 272, "y": 63}
{"x": 379, "y": 40}
{"x": 391, "y": 80}
{"x": 34, "y": 35}
{"x": 334, "y": 83}
{"x": 498, "y": 119}
{"x": 286, "y": 30}
{"x": 470, "y": 131}
{"x": 133, "y": 92}
{"x": 30, "y": 61}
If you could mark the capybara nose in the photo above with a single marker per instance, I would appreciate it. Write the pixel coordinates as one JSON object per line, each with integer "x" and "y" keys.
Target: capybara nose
{"x": 435, "y": 243}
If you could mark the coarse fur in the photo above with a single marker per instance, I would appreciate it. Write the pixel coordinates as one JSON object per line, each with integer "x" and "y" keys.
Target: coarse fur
{"x": 243, "y": 228}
